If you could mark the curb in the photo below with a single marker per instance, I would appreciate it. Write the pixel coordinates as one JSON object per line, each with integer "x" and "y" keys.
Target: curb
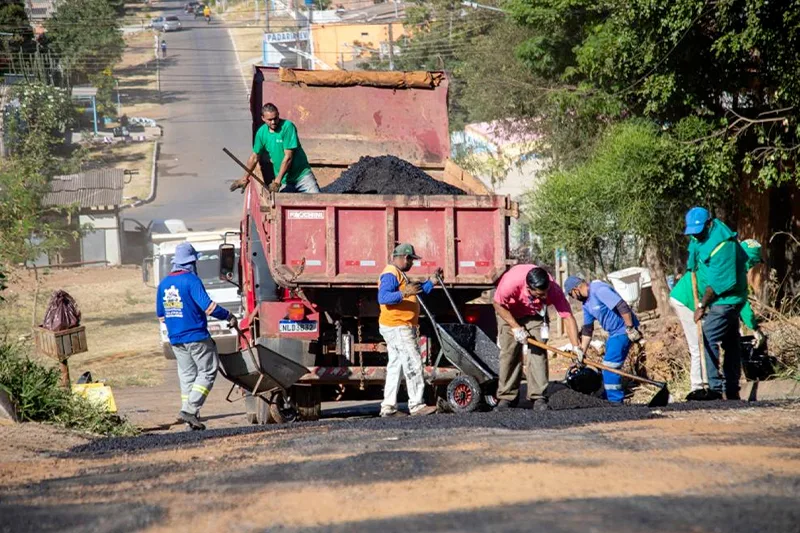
{"x": 153, "y": 181}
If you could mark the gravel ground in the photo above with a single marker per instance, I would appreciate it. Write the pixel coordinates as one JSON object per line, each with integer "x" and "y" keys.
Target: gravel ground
{"x": 720, "y": 466}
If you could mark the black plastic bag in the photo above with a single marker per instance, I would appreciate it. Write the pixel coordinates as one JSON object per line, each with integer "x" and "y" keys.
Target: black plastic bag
{"x": 62, "y": 312}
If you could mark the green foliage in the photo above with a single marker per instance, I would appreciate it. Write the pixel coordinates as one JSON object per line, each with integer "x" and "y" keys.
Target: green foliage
{"x": 105, "y": 84}
{"x": 38, "y": 397}
{"x": 732, "y": 63}
{"x": 35, "y": 133}
{"x": 86, "y": 34}
{"x": 631, "y": 191}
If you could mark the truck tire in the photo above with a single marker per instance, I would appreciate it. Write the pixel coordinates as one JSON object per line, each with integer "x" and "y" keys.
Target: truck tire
{"x": 251, "y": 408}
{"x": 263, "y": 415}
{"x": 464, "y": 394}
{"x": 308, "y": 401}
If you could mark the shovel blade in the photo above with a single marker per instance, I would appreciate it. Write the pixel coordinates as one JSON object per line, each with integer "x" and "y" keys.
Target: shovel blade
{"x": 661, "y": 398}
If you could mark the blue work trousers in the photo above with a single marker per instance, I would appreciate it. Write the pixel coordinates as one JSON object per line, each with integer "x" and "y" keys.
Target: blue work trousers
{"x": 721, "y": 333}
{"x": 617, "y": 348}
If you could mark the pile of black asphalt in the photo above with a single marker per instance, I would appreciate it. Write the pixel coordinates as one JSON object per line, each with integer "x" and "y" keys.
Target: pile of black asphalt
{"x": 387, "y": 174}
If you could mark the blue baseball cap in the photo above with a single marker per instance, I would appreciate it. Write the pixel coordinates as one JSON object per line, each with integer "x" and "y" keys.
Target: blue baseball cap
{"x": 185, "y": 254}
{"x": 572, "y": 283}
{"x": 696, "y": 220}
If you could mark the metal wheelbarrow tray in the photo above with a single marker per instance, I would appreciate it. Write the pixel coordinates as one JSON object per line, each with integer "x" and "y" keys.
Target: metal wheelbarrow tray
{"x": 261, "y": 370}
{"x": 461, "y": 344}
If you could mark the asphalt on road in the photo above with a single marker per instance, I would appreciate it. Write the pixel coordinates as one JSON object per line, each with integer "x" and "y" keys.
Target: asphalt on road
{"x": 207, "y": 109}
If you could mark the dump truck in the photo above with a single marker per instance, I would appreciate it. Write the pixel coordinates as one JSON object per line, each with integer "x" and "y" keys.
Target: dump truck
{"x": 309, "y": 263}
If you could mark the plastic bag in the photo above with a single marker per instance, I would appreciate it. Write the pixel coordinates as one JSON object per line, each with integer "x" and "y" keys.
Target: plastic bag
{"x": 62, "y": 312}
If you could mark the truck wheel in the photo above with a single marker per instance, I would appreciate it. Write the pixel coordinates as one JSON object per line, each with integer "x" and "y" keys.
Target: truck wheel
{"x": 251, "y": 408}
{"x": 280, "y": 411}
{"x": 262, "y": 413}
{"x": 464, "y": 394}
{"x": 308, "y": 402}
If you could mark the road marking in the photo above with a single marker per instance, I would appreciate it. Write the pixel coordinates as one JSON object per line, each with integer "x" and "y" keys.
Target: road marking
{"x": 239, "y": 64}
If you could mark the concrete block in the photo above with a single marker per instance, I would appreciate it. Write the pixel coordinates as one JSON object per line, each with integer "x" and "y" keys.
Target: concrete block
{"x": 775, "y": 389}
{"x": 8, "y": 415}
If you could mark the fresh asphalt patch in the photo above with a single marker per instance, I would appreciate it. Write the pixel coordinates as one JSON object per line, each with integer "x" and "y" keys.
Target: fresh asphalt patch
{"x": 514, "y": 419}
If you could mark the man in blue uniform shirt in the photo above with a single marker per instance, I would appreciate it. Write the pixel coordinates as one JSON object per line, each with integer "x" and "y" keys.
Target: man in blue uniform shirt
{"x": 183, "y": 305}
{"x": 602, "y": 303}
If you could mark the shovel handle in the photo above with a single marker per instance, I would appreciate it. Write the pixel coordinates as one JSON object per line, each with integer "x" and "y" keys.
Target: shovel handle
{"x": 452, "y": 302}
{"x": 236, "y": 159}
{"x": 599, "y": 366}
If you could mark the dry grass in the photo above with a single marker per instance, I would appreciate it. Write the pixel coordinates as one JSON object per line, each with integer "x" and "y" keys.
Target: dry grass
{"x": 137, "y": 78}
{"x": 118, "y": 312}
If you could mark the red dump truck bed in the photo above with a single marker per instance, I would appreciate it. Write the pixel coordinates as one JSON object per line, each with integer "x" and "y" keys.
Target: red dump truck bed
{"x": 345, "y": 239}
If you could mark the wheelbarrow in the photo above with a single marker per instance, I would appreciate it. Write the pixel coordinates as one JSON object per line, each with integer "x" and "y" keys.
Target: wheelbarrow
{"x": 473, "y": 353}
{"x": 264, "y": 373}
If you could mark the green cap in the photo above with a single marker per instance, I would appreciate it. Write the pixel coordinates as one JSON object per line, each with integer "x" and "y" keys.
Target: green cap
{"x": 753, "y": 250}
{"x": 405, "y": 249}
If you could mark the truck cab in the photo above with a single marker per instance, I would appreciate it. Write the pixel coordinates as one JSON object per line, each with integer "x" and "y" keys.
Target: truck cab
{"x": 224, "y": 292}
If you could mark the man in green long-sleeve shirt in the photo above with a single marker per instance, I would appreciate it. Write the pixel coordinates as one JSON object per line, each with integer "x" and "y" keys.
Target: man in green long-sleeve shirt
{"x": 682, "y": 302}
{"x": 717, "y": 258}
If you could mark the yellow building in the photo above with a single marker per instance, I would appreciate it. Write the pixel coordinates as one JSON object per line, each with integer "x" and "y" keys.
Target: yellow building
{"x": 339, "y": 44}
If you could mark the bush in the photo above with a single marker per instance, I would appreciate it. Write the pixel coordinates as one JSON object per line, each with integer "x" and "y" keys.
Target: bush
{"x": 38, "y": 396}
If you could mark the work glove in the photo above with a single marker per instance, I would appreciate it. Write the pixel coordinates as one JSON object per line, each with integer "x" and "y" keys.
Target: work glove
{"x": 521, "y": 335}
{"x": 634, "y": 335}
{"x": 411, "y": 289}
{"x": 436, "y": 276}
{"x": 240, "y": 184}
{"x": 274, "y": 186}
{"x": 233, "y": 322}
{"x": 579, "y": 355}
{"x": 760, "y": 339}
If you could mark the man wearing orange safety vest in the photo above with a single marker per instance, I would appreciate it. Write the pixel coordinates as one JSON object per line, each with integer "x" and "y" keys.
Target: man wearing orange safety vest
{"x": 398, "y": 323}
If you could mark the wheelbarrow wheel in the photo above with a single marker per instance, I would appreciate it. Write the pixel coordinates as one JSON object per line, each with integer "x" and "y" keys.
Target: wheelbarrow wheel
{"x": 464, "y": 394}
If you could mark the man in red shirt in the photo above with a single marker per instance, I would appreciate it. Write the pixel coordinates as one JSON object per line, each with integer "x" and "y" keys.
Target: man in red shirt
{"x": 520, "y": 302}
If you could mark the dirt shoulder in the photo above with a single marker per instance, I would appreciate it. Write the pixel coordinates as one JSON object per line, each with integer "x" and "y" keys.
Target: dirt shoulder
{"x": 723, "y": 467}
{"x": 118, "y": 312}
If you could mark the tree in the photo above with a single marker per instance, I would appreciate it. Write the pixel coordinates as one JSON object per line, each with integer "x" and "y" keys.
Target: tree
{"x": 86, "y": 35}
{"x": 35, "y": 129}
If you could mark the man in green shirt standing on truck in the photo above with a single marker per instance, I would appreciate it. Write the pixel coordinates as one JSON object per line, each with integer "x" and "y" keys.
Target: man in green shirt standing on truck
{"x": 290, "y": 168}
{"x": 720, "y": 262}
{"x": 682, "y": 301}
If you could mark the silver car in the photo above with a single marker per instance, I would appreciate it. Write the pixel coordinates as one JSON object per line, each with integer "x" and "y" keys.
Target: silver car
{"x": 168, "y": 23}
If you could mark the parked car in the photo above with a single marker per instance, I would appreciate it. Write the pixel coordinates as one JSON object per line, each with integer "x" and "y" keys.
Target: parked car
{"x": 168, "y": 23}
{"x": 190, "y": 7}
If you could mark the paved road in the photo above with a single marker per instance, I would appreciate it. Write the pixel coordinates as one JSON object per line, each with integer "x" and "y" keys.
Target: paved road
{"x": 207, "y": 108}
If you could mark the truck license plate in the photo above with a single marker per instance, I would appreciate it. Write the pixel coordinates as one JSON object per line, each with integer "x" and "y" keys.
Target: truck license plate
{"x": 291, "y": 326}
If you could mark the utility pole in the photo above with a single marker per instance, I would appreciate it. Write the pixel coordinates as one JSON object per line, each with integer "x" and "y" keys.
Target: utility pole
{"x": 267, "y": 4}
{"x": 391, "y": 46}
{"x": 310, "y": 42}
{"x": 158, "y": 65}
{"x": 256, "y": 12}
{"x": 297, "y": 35}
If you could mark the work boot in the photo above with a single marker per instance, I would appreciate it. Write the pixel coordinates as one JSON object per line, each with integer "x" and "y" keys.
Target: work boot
{"x": 390, "y": 414}
{"x": 540, "y": 404}
{"x": 503, "y": 405}
{"x": 424, "y": 410}
{"x": 703, "y": 395}
{"x": 192, "y": 420}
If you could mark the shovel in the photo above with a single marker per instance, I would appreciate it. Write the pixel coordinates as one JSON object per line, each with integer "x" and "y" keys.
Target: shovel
{"x": 661, "y": 398}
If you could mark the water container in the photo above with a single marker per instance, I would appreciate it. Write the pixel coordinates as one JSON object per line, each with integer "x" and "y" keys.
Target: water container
{"x": 628, "y": 283}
